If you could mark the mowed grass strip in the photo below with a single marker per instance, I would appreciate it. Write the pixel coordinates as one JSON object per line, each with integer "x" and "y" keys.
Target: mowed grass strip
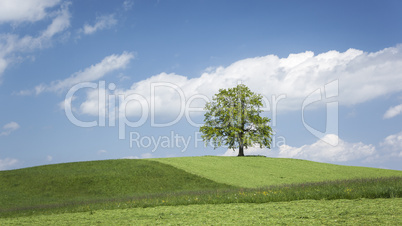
{"x": 390, "y": 187}
{"x": 316, "y": 212}
{"x": 254, "y": 172}
{"x": 97, "y": 180}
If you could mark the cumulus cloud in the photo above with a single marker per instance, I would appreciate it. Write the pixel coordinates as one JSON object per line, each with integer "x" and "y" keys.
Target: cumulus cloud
{"x": 18, "y": 11}
{"x": 94, "y": 72}
{"x": 392, "y": 145}
{"x": 8, "y": 163}
{"x": 388, "y": 149}
{"x": 9, "y": 128}
{"x": 319, "y": 151}
{"x": 393, "y": 111}
{"x": 362, "y": 77}
{"x": 323, "y": 152}
{"x": 102, "y": 22}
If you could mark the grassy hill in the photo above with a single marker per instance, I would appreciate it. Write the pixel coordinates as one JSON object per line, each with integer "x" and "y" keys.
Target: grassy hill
{"x": 122, "y": 184}
{"x": 253, "y": 172}
{"x": 97, "y": 180}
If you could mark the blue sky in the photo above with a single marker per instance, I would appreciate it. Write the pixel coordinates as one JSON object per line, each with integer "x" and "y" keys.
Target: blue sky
{"x": 331, "y": 73}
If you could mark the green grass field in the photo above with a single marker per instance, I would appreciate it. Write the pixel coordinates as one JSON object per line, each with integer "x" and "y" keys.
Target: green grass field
{"x": 98, "y": 180}
{"x": 316, "y": 212}
{"x": 112, "y": 187}
{"x": 253, "y": 172}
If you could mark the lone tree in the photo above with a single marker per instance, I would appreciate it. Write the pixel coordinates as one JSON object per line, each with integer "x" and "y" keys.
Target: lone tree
{"x": 233, "y": 118}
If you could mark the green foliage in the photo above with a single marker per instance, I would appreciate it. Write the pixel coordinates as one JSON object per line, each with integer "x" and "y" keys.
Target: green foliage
{"x": 233, "y": 119}
{"x": 261, "y": 172}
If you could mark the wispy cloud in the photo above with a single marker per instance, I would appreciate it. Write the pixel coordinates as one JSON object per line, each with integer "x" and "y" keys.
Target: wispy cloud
{"x": 9, "y": 128}
{"x": 100, "y": 152}
{"x": 60, "y": 23}
{"x": 10, "y": 44}
{"x": 393, "y": 111}
{"x": 102, "y": 22}
{"x": 128, "y": 4}
{"x": 92, "y": 73}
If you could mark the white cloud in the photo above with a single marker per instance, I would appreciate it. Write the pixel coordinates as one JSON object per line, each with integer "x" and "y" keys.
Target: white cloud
{"x": 127, "y": 4}
{"x": 319, "y": 151}
{"x": 146, "y": 155}
{"x": 362, "y": 76}
{"x": 49, "y": 158}
{"x": 60, "y": 23}
{"x": 323, "y": 152}
{"x": 389, "y": 149}
{"x": 100, "y": 152}
{"x": 7, "y": 163}
{"x": 18, "y": 11}
{"x": 392, "y": 145}
{"x": 142, "y": 156}
{"x": 9, "y": 128}
{"x": 123, "y": 77}
{"x": 3, "y": 65}
{"x": 12, "y": 43}
{"x": 92, "y": 73}
{"x": 131, "y": 157}
{"x": 393, "y": 111}
{"x": 102, "y": 22}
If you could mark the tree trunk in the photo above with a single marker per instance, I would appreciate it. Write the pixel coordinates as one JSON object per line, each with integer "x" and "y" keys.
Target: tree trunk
{"x": 242, "y": 123}
{"x": 241, "y": 151}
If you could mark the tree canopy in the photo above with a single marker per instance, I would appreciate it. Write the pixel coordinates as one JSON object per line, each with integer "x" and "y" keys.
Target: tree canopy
{"x": 233, "y": 119}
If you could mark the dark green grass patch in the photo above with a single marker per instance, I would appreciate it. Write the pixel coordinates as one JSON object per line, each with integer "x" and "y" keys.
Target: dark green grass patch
{"x": 330, "y": 190}
{"x": 98, "y": 180}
